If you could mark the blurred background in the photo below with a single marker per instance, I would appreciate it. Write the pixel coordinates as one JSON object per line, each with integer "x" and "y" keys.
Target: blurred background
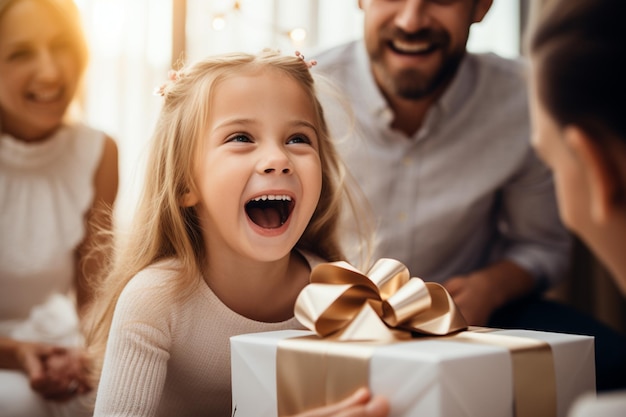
{"x": 134, "y": 43}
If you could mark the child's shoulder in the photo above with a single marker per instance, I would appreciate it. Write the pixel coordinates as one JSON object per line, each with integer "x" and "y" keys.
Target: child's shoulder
{"x": 159, "y": 276}
{"x": 150, "y": 294}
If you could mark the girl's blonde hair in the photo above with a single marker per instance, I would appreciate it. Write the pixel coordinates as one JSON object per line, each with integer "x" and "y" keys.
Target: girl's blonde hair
{"x": 162, "y": 228}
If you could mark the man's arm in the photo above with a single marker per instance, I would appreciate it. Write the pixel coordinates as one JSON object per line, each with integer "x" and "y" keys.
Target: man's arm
{"x": 536, "y": 248}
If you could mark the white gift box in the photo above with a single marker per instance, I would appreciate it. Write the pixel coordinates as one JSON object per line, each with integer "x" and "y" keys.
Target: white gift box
{"x": 433, "y": 377}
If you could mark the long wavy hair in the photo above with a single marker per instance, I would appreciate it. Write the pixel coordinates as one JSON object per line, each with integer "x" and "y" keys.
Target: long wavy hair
{"x": 162, "y": 228}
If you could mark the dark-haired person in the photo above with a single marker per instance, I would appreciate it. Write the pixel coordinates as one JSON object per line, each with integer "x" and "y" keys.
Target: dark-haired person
{"x": 578, "y": 88}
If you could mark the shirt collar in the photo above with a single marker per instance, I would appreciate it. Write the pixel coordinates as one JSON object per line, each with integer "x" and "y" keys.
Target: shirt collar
{"x": 364, "y": 78}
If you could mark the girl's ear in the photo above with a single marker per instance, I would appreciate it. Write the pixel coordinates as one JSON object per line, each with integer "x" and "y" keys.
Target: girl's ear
{"x": 598, "y": 169}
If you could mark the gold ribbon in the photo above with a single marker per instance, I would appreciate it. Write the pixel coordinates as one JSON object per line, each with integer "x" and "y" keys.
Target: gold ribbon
{"x": 380, "y": 307}
{"x": 312, "y": 372}
{"x": 534, "y": 381}
{"x": 342, "y": 303}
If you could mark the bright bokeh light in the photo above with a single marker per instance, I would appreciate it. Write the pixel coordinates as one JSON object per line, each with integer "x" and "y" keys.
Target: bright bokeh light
{"x": 297, "y": 35}
{"x": 219, "y": 22}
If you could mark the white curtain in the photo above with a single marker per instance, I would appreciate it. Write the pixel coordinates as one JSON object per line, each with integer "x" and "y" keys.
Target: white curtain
{"x": 130, "y": 44}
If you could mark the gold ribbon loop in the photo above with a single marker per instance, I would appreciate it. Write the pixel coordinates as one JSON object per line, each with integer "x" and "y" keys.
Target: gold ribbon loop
{"x": 341, "y": 302}
{"x": 409, "y": 300}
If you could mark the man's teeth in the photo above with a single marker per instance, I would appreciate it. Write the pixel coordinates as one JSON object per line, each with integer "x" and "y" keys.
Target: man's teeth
{"x": 410, "y": 47}
{"x": 272, "y": 197}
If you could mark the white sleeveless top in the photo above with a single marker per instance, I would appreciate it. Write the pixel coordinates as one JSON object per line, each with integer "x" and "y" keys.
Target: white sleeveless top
{"x": 46, "y": 189}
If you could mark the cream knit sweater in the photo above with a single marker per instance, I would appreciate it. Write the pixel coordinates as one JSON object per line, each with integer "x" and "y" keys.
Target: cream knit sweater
{"x": 167, "y": 359}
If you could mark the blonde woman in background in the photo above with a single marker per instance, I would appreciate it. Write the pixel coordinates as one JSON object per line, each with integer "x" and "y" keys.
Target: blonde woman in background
{"x": 58, "y": 180}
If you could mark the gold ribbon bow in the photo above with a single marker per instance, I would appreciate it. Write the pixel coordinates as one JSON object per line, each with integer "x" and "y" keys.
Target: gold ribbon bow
{"x": 341, "y": 303}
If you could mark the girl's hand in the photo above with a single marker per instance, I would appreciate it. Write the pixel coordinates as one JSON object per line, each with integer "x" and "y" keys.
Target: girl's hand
{"x": 359, "y": 404}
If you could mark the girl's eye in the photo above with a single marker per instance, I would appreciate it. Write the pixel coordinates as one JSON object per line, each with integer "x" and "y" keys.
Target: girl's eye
{"x": 239, "y": 138}
{"x": 299, "y": 139}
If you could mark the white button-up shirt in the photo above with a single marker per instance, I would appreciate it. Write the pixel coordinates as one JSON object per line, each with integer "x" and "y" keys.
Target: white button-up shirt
{"x": 467, "y": 189}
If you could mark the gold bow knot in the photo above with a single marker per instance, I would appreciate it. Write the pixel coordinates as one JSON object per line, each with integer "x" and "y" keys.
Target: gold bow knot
{"x": 342, "y": 303}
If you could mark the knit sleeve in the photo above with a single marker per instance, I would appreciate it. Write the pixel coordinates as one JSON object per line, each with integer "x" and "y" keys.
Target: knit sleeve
{"x": 137, "y": 353}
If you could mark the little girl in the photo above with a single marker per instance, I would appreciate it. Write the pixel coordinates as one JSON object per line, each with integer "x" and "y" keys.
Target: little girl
{"x": 242, "y": 198}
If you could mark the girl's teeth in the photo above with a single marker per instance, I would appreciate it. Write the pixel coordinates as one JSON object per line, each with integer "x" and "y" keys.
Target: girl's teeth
{"x": 272, "y": 197}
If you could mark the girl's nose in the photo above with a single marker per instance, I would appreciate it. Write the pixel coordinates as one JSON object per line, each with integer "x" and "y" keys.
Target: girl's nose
{"x": 275, "y": 161}
{"x": 270, "y": 170}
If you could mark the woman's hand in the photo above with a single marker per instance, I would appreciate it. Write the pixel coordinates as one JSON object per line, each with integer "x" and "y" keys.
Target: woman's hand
{"x": 68, "y": 373}
{"x": 57, "y": 373}
{"x": 359, "y": 404}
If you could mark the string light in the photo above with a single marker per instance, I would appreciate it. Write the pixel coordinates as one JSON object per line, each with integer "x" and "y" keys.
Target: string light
{"x": 218, "y": 22}
{"x": 297, "y": 35}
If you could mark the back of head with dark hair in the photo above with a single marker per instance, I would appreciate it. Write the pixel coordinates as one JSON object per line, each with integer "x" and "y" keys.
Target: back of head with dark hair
{"x": 578, "y": 47}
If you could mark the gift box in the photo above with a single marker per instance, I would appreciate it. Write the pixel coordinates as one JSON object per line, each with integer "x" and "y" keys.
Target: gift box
{"x": 404, "y": 339}
{"x": 435, "y": 378}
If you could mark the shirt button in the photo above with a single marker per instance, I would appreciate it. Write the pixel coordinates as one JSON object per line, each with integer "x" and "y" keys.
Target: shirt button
{"x": 402, "y": 216}
{"x": 407, "y": 161}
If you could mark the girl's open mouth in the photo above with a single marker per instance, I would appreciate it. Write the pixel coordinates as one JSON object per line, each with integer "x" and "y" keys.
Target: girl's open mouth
{"x": 270, "y": 211}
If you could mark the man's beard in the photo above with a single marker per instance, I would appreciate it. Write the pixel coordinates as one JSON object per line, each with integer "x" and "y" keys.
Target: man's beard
{"x": 411, "y": 83}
